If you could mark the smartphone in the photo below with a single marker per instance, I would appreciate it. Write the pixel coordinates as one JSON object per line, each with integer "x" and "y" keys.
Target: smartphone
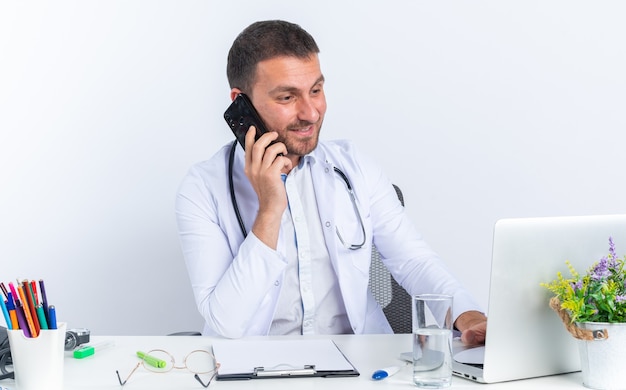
{"x": 240, "y": 115}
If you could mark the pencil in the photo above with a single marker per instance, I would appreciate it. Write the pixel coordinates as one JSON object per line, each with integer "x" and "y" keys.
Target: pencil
{"x": 21, "y": 318}
{"x": 4, "y": 290}
{"x": 27, "y": 314}
{"x": 31, "y": 305}
{"x": 33, "y": 289}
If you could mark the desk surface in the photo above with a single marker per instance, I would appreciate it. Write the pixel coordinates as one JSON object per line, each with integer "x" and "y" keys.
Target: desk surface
{"x": 366, "y": 352}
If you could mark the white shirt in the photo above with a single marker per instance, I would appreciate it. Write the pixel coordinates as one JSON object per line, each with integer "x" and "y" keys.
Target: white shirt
{"x": 237, "y": 282}
{"x": 310, "y": 301}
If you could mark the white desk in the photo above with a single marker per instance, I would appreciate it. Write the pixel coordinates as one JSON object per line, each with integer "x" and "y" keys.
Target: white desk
{"x": 366, "y": 352}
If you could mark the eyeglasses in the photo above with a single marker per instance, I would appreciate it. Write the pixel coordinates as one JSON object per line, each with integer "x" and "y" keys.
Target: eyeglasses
{"x": 160, "y": 361}
{"x": 356, "y": 211}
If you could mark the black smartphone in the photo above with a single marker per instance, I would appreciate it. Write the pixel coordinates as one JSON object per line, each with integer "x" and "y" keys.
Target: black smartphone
{"x": 240, "y": 115}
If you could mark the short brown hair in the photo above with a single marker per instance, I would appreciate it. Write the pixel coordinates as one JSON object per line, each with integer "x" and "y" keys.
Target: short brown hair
{"x": 262, "y": 41}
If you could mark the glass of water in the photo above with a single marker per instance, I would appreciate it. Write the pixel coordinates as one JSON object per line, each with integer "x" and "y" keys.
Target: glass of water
{"x": 432, "y": 340}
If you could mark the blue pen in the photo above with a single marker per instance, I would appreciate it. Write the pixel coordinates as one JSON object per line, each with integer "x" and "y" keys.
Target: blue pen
{"x": 385, "y": 372}
{"x": 12, "y": 312}
{"x": 52, "y": 311}
{"x": 7, "y": 318}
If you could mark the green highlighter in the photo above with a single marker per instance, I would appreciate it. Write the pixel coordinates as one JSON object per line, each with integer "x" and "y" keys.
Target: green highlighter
{"x": 151, "y": 360}
{"x": 89, "y": 350}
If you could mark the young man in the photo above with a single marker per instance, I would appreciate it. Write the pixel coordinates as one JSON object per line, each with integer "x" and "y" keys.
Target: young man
{"x": 298, "y": 262}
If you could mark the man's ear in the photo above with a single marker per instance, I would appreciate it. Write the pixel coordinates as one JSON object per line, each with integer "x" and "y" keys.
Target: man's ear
{"x": 234, "y": 92}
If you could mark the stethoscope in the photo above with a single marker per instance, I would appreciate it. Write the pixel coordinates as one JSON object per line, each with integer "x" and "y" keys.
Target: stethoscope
{"x": 231, "y": 162}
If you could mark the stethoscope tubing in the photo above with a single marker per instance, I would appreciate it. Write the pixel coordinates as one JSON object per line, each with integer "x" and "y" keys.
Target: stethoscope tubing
{"x": 233, "y": 198}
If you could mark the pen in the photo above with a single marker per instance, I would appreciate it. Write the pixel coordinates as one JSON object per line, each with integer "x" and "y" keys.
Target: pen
{"x": 385, "y": 372}
{"x": 44, "y": 300}
{"x": 89, "y": 350}
{"x": 5, "y": 312}
{"x": 12, "y": 314}
{"x": 151, "y": 360}
{"x": 52, "y": 311}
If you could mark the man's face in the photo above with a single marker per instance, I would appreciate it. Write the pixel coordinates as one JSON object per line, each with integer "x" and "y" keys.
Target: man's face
{"x": 289, "y": 95}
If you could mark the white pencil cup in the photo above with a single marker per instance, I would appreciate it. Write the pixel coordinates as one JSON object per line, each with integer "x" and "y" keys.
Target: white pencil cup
{"x": 38, "y": 361}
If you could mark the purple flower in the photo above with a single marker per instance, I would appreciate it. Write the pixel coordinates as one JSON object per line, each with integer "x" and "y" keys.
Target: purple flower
{"x": 620, "y": 298}
{"x": 601, "y": 270}
{"x": 577, "y": 286}
{"x": 612, "y": 248}
{"x": 612, "y": 255}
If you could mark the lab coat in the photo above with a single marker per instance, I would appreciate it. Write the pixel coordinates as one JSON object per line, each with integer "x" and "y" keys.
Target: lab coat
{"x": 236, "y": 282}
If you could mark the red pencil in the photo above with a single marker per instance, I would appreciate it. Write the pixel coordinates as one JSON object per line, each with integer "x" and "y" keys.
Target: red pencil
{"x": 33, "y": 287}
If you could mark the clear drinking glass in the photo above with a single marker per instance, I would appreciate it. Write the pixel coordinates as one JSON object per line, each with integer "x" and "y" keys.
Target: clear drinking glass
{"x": 432, "y": 340}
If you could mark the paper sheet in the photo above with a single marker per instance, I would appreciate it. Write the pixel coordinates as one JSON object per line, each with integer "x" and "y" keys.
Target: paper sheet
{"x": 243, "y": 356}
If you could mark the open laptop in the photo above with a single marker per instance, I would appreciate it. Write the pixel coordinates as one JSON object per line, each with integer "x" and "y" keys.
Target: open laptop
{"x": 525, "y": 338}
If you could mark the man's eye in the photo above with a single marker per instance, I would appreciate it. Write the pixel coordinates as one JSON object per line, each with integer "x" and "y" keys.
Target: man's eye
{"x": 317, "y": 90}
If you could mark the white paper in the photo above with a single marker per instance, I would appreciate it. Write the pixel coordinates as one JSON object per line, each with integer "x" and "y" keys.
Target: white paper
{"x": 243, "y": 356}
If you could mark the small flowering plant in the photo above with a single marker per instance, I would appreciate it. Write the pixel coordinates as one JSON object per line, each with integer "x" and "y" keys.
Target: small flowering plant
{"x": 597, "y": 296}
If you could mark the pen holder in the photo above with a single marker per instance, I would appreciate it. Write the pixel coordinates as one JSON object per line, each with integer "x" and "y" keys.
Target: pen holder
{"x": 38, "y": 361}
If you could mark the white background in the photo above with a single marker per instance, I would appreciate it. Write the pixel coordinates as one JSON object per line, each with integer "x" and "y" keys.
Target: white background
{"x": 478, "y": 110}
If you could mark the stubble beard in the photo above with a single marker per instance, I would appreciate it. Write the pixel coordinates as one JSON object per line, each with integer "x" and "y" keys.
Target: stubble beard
{"x": 302, "y": 147}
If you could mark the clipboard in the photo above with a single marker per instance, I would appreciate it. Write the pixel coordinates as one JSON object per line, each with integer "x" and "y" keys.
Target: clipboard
{"x": 285, "y": 358}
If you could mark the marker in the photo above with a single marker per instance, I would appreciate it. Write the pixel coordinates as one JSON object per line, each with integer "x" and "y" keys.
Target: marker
{"x": 151, "y": 360}
{"x": 13, "y": 291}
{"x": 385, "y": 372}
{"x": 89, "y": 350}
{"x": 41, "y": 316}
{"x": 52, "y": 311}
{"x": 5, "y": 312}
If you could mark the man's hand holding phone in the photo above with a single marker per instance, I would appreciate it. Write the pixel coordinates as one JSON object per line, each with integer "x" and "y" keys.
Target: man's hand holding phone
{"x": 263, "y": 167}
{"x": 264, "y": 163}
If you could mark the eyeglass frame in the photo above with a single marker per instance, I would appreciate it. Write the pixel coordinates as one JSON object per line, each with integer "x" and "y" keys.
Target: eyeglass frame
{"x": 174, "y": 366}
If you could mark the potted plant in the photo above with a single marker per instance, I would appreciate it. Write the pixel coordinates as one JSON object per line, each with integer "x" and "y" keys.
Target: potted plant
{"x": 593, "y": 309}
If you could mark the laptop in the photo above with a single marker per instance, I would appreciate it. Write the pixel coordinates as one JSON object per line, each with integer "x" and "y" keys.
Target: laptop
{"x": 525, "y": 338}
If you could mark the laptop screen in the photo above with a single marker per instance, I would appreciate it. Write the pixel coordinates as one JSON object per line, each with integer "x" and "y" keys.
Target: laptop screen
{"x": 525, "y": 338}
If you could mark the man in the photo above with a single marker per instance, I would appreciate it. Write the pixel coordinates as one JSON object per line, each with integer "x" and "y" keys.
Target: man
{"x": 298, "y": 262}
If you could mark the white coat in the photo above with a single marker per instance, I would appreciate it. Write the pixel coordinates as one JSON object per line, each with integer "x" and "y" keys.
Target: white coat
{"x": 236, "y": 282}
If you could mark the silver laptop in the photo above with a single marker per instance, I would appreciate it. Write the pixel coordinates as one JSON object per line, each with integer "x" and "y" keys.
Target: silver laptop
{"x": 525, "y": 338}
